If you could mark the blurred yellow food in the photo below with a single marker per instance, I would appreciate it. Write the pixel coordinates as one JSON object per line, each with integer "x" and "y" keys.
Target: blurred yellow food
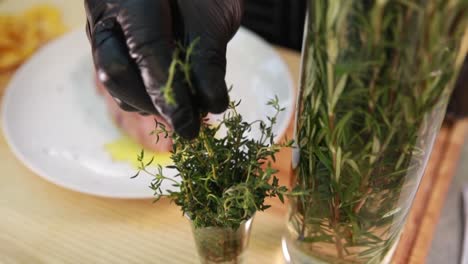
{"x": 126, "y": 150}
{"x": 23, "y": 34}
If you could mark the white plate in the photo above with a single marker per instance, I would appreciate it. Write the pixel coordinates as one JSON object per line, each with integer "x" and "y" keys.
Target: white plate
{"x": 57, "y": 125}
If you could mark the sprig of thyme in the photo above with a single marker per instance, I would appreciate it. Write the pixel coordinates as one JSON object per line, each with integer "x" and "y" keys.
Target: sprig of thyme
{"x": 223, "y": 180}
{"x": 180, "y": 62}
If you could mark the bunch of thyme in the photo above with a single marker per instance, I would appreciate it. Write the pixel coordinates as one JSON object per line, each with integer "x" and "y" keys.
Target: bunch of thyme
{"x": 180, "y": 63}
{"x": 223, "y": 180}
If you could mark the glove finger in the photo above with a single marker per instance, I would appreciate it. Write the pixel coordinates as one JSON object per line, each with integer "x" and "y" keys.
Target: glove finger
{"x": 209, "y": 71}
{"x": 214, "y": 22}
{"x": 94, "y": 10}
{"x": 183, "y": 117}
{"x": 147, "y": 26}
{"x": 218, "y": 19}
{"x": 116, "y": 69}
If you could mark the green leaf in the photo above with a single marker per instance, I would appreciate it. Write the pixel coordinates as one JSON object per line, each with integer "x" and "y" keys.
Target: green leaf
{"x": 281, "y": 197}
{"x": 392, "y": 212}
{"x": 324, "y": 160}
{"x": 353, "y": 165}
{"x": 150, "y": 162}
{"x": 136, "y": 175}
{"x": 141, "y": 156}
{"x": 339, "y": 90}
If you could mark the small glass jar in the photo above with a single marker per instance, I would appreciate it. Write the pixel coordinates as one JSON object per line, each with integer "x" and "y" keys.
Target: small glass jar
{"x": 222, "y": 244}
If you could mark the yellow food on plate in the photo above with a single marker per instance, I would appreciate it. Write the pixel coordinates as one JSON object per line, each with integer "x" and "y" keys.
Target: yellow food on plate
{"x": 24, "y": 33}
{"x": 127, "y": 149}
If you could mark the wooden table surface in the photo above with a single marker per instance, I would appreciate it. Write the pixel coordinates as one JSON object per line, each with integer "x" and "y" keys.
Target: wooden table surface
{"x": 44, "y": 223}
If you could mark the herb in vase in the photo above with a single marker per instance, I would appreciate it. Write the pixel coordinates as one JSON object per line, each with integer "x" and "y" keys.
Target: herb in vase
{"x": 375, "y": 84}
{"x": 222, "y": 181}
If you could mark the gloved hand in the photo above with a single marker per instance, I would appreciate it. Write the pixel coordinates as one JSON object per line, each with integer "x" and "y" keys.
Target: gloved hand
{"x": 133, "y": 43}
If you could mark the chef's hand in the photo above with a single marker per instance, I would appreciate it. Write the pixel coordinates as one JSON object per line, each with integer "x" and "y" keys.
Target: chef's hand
{"x": 133, "y": 43}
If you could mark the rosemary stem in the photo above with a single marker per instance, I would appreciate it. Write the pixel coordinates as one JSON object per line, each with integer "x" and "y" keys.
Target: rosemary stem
{"x": 336, "y": 227}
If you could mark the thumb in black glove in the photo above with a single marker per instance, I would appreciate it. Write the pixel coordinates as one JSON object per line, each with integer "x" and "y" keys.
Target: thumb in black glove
{"x": 133, "y": 42}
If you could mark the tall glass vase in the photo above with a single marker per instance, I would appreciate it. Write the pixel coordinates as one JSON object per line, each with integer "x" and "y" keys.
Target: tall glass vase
{"x": 376, "y": 78}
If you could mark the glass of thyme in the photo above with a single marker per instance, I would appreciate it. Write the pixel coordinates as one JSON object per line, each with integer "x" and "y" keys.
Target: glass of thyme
{"x": 376, "y": 78}
{"x": 222, "y": 181}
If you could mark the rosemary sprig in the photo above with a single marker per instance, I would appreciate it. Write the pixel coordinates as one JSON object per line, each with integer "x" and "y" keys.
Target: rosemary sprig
{"x": 222, "y": 181}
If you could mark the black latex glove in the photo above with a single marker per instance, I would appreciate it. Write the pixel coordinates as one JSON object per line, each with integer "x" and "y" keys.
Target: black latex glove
{"x": 133, "y": 43}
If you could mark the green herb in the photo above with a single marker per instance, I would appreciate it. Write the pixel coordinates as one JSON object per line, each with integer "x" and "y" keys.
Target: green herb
{"x": 377, "y": 76}
{"x": 223, "y": 180}
{"x": 180, "y": 63}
